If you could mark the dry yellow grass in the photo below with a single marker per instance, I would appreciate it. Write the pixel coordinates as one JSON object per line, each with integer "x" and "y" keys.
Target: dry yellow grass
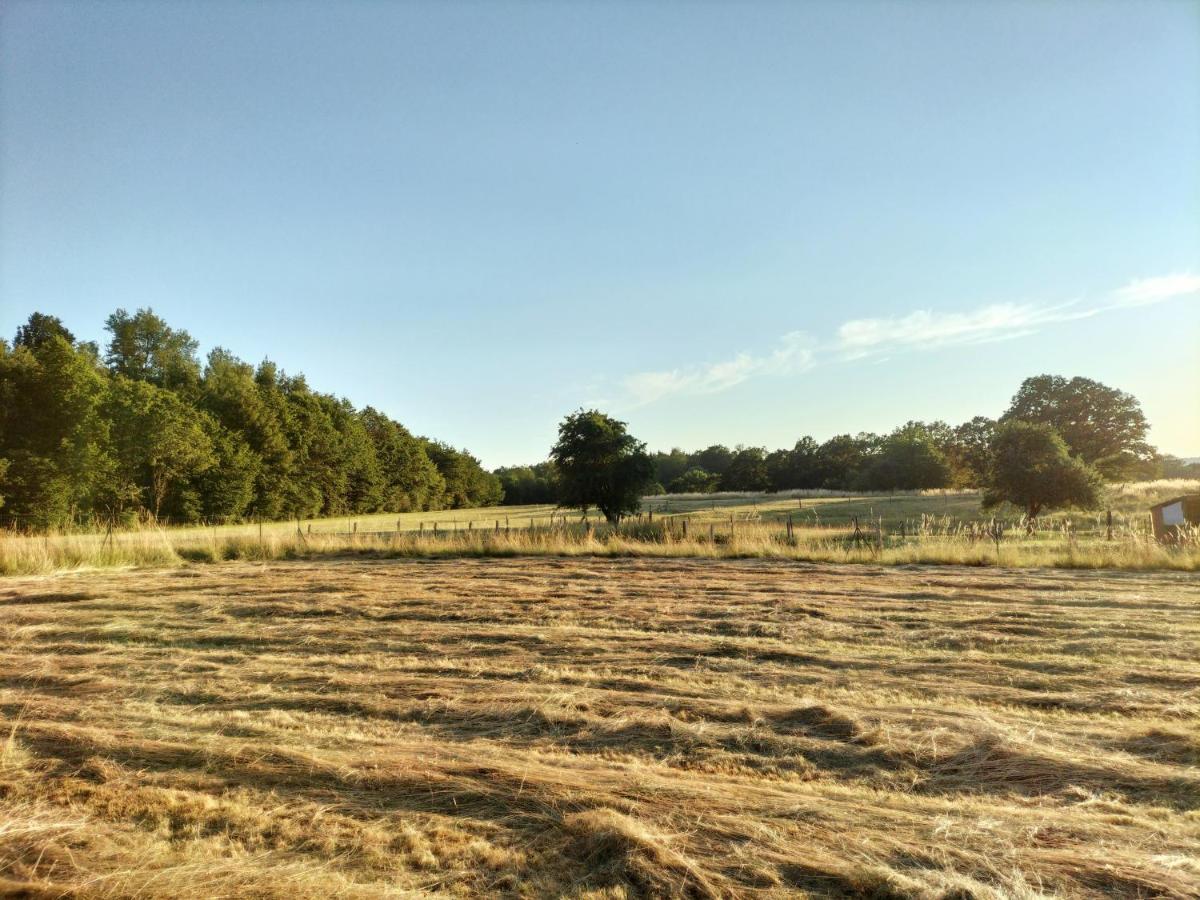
{"x": 665, "y": 537}
{"x": 930, "y": 527}
{"x": 599, "y": 728}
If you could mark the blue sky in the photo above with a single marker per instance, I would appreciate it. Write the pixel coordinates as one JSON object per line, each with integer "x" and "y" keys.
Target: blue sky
{"x": 732, "y": 223}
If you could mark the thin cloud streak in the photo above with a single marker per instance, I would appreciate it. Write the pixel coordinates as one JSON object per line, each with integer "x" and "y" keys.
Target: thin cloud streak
{"x": 1155, "y": 290}
{"x": 794, "y": 354}
{"x": 921, "y": 329}
{"x": 925, "y": 329}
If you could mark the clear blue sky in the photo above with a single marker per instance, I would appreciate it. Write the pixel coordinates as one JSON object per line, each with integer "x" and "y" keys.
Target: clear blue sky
{"x": 732, "y": 223}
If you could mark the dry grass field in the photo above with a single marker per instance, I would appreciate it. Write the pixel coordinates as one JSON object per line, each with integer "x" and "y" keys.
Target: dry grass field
{"x": 599, "y": 728}
{"x": 930, "y": 527}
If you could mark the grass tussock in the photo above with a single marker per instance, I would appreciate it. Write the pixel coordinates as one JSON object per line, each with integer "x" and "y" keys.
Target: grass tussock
{"x": 599, "y": 728}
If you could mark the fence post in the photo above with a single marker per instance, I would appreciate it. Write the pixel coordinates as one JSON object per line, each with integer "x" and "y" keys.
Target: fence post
{"x": 712, "y": 533}
{"x": 684, "y": 529}
{"x": 1109, "y": 525}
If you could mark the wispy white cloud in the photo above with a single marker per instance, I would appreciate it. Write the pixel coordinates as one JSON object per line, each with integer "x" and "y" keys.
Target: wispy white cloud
{"x": 793, "y": 354}
{"x": 922, "y": 329}
{"x": 926, "y": 329}
{"x": 1155, "y": 290}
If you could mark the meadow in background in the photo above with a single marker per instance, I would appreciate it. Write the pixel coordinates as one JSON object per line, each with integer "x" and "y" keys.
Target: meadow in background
{"x": 936, "y": 527}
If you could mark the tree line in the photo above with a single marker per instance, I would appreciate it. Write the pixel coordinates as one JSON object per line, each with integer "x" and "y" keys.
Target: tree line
{"x": 1055, "y": 446}
{"x": 142, "y": 428}
{"x": 1103, "y": 427}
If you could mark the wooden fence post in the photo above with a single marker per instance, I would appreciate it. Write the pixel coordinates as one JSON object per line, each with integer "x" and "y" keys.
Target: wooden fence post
{"x": 1109, "y": 537}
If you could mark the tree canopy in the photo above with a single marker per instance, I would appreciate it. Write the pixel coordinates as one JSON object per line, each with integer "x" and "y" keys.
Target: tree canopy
{"x": 1102, "y": 425}
{"x": 1032, "y": 468}
{"x": 146, "y": 431}
{"x": 600, "y": 464}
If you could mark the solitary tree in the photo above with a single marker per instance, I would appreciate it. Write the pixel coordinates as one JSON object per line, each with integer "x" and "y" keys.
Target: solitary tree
{"x": 601, "y": 464}
{"x": 1031, "y": 468}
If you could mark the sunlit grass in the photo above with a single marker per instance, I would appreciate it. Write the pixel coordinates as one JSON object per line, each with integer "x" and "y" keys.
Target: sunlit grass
{"x": 599, "y": 729}
{"x": 921, "y": 527}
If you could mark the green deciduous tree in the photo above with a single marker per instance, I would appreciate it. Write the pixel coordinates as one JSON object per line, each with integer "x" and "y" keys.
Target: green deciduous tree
{"x": 39, "y": 329}
{"x": 969, "y": 453}
{"x": 529, "y": 484}
{"x": 145, "y": 348}
{"x": 842, "y": 458}
{"x": 694, "y": 481}
{"x": 1103, "y": 426}
{"x": 1032, "y": 468}
{"x": 908, "y": 459}
{"x": 51, "y": 431}
{"x": 159, "y": 443}
{"x": 411, "y": 480}
{"x": 467, "y": 483}
{"x": 601, "y": 464}
{"x": 747, "y": 471}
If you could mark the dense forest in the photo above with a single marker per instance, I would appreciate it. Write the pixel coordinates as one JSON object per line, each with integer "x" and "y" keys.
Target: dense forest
{"x": 141, "y": 428}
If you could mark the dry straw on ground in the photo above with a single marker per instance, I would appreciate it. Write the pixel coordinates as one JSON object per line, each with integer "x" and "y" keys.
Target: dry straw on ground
{"x": 599, "y": 728}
